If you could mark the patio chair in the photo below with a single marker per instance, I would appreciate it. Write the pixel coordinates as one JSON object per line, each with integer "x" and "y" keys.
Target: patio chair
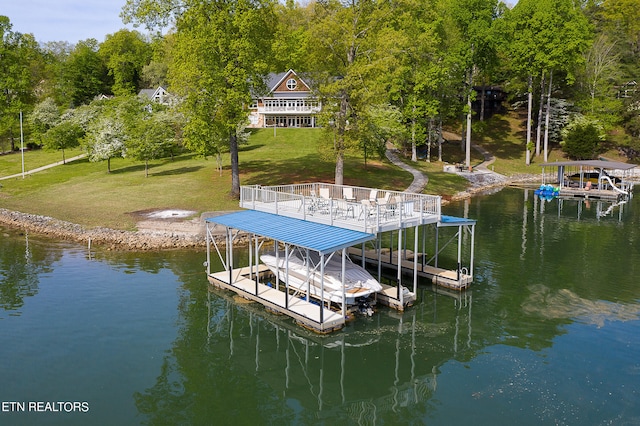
{"x": 367, "y": 210}
{"x": 324, "y": 200}
{"x": 342, "y": 209}
{"x": 347, "y": 194}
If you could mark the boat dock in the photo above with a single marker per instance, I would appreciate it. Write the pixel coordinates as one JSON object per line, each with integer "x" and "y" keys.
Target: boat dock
{"x": 592, "y": 179}
{"x": 243, "y": 282}
{"x": 451, "y": 279}
{"x": 331, "y": 220}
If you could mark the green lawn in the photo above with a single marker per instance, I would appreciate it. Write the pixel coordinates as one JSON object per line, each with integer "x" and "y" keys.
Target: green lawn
{"x": 504, "y": 136}
{"x": 11, "y": 163}
{"x": 85, "y": 193}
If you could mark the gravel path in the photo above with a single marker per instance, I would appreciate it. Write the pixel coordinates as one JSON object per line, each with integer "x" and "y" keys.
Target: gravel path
{"x": 480, "y": 177}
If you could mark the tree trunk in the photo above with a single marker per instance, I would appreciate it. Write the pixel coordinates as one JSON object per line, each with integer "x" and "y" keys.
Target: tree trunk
{"x": 414, "y": 153}
{"x": 483, "y": 97}
{"x": 440, "y": 139}
{"x": 429, "y": 140}
{"x": 546, "y": 122}
{"x": 338, "y": 142}
{"x": 146, "y": 168}
{"x": 339, "y": 178}
{"x": 529, "y": 113}
{"x": 64, "y": 160}
{"x": 539, "y": 129}
{"x": 235, "y": 169}
{"x": 109, "y": 165}
{"x": 468, "y": 143}
{"x": 11, "y": 139}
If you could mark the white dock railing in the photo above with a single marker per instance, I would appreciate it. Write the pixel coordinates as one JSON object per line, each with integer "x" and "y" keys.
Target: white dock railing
{"x": 364, "y": 209}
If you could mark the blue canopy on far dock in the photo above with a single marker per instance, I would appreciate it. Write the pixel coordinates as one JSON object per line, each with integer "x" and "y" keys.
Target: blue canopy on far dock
{"x": 311, "y": 235}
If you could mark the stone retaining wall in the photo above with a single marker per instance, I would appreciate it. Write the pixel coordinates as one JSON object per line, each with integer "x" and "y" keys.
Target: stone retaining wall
{"x": 111, "y": 238}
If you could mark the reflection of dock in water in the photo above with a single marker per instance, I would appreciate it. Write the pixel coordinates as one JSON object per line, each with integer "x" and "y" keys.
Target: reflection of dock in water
{"x": 365, "y": 372}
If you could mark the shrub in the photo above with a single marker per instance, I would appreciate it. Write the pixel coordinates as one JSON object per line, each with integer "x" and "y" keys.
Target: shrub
{"x": 581, "y": 138}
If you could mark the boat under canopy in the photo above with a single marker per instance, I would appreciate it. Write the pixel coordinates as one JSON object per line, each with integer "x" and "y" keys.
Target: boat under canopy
{"x": 302, "y": 270}
{"x": 592, "y": 178}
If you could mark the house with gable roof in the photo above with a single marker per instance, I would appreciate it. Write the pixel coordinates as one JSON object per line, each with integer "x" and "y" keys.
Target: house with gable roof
{"x": 289, "y": 103}
{"x": 159, "y": 95}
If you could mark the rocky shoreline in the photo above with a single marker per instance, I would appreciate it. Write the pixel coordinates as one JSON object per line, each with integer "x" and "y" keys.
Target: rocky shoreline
{"x": 111, "y": 239}
{"x": 172, "y": 234}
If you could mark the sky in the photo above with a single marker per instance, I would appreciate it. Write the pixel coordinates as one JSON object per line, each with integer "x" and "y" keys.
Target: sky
{"x": 65, "y": 20}
{"x": 68, "y": 20}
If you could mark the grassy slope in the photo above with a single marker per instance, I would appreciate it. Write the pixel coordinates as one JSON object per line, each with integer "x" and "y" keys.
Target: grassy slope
{"x": 11, "y": 163}
{"x": 84, "y": 193}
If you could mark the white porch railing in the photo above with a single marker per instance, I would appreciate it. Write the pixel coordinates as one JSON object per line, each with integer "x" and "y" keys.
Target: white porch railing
{"x": 289, "y": 109}
{"x": 364, "y": 209}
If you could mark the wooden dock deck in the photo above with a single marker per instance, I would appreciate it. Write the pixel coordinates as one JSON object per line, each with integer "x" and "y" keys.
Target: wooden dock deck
{"x": 438, "y": 276}
{"x": 305, "y": 313}
{"x": 592, "y": 194}
{"x": 389, "y": 297}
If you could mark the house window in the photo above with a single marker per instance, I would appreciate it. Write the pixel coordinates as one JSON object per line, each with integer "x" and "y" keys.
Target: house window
{"x": 292, "y": 84}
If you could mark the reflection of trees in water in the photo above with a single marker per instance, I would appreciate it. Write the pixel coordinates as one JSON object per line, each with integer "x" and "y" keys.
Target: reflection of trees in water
{"x": 560, "y": 256}
{"x": 198, "y": 384}
{"x": 21, "y": 262}
{"x": 235, "y": 363}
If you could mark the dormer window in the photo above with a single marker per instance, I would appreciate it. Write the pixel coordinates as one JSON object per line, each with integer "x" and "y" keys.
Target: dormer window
{"x": 292, "y": 84}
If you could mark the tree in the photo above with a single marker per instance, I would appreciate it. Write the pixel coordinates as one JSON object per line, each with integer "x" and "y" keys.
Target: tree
{"x": 84, "y": 74}
{"x": 292, "y": 40}
{"x": 125, "y": 54}
{"x": 106, "y": 139}
{"x": 151, "y": 137}
{"x": 476, "y": 50}
{"x": 220, "y": 54}
{"x": 63, "y": 136}
{"x": 52, "y": 82}
{"x": 601, "y": 67}
{"x": 344, "y": 36}
{"x": 581, "y": 138}
{"x": 621, "y": 21}
{"x": 420, "y": 69}
{"x": 45, "y": 116}
{"x": 380, "y": 124}
{"x": 154, "y": 74}
{"x": 17, "y": 53}
{"x": 547, "y": 37}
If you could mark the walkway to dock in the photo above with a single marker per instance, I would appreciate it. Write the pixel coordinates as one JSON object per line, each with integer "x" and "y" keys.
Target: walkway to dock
{"x": 480, "y": 176}
{"x": 48, "y": 166}
{"x": 420, "y": 180}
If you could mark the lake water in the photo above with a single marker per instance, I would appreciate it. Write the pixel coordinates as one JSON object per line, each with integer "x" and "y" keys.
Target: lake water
{"x": 548, "y": 334}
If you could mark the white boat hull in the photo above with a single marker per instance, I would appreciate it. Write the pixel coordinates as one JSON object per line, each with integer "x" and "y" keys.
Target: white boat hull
{"x": 358, "y": 283}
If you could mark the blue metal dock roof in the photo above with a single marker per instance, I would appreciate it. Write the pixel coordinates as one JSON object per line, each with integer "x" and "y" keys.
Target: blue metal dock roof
{"x": 314, "y": 236}
{"x": 454, "y": 221}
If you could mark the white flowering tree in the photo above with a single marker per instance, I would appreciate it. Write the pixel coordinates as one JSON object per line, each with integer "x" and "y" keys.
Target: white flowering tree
{"x": 45, "y": 115}
{"x": 106, "y": 139}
